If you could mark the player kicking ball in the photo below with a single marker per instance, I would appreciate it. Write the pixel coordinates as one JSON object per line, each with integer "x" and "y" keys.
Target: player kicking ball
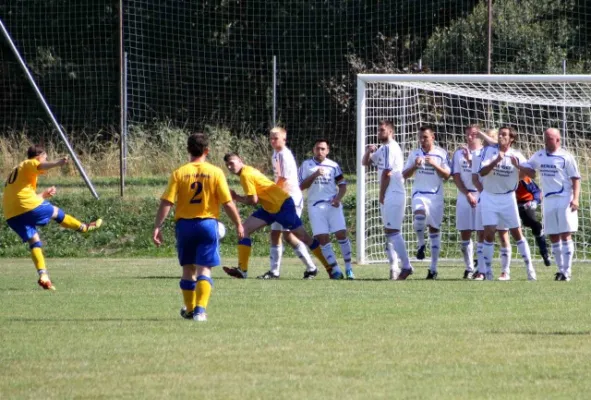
{"x": 275, "y": 206}
{"x": 326, "y": 188}
{"x": 24, "y": 209}
{"x": 431, "y": 166}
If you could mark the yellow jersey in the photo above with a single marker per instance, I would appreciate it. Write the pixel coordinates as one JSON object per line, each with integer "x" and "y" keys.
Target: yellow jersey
{"x": 198, "y": 189}
{"x": 20, "y": 189}
{"x": 271, "y": 196}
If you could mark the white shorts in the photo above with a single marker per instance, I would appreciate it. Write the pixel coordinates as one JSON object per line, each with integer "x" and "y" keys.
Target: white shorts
{"x": 432, "y": 204}
{"x": 499, "y": 210}
{"x": 393, "y": 211}
{"x": 465, "y": 213}
{"x": 325, "y": 218}
{"x": 558, "y": 216}
{"x": 478, "y": 221}
{"x": 299, "y": 205}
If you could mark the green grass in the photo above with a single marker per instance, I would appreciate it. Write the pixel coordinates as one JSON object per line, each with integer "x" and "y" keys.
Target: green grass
{"x": 112, "y": 330}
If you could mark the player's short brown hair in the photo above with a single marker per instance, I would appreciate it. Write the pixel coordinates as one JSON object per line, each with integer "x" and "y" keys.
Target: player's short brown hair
{"x": 35, "y": 150}
{"x": 322, "y": 140}
{"x": 512, "y": 132}
{"x": 197, "y": 143}
{"x": 426, "y": 128}
{"x": 230, "y": 155}
{"x": 472, "y": 126}
{"x": 386, "y": 122}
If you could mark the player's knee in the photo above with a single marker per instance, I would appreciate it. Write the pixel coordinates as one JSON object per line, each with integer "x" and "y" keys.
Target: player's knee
{"x": 36, "y": 244}
{"x": 341, "y": 235}
{"x": 60, "y": 215}
{"x": 419, "y": 222}
{"x": 323, "y": 239}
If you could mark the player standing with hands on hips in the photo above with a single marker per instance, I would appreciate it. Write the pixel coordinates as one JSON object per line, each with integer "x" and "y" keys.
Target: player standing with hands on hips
{"x": 326, "y": 188}
{"x": 561, "y": 183}
{"x": 389, "y": 161}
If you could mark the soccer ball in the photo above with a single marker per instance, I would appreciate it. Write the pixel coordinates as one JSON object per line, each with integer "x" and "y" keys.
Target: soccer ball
{"x": 221, "y": 230}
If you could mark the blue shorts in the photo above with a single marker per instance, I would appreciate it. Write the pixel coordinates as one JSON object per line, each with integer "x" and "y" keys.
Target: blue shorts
{"x": 197, "y": 242}
{"x": 25, "y": 224}
{"x": 287, "y": 215}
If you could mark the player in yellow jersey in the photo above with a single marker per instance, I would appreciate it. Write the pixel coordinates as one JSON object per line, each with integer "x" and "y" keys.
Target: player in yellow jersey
{"x": 198, "y": 189}
{"x": 275, "y": 206}
{"x": 24, "y": 209}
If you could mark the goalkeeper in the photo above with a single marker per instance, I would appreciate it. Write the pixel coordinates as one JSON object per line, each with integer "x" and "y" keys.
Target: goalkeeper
{"x": 528, "y": 198}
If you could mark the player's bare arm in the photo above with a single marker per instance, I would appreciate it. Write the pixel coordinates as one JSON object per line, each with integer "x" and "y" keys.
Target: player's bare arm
{"x": 442, "y": 172}
{"x": 282, "y": 183}
{"x": 250, "y": 200}
{"x": 161, "y": 214}
{"x": 487, "y": 169}
{"x": 48, "y": 193}
{"x": 366, "y": 160}
{"x": 232, "y": 212}
{"x": 477, "y": 183}
{"x": 462, "y": 188}
{"x": 336, "y": 202}
{"x": 574, "y": 204}
{"x": 384, "y": 183}
{"x": 487, "y": 138}
{"x": 44, "y": 166}
{"x": 407, "y": 173}
{"x": 306, "y": 183}
{"x": 530, "y": 172}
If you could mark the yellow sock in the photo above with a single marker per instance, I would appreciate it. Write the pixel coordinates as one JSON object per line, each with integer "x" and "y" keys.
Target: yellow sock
{"x": 204, "y": 285}
{"x": 244, "y": 250}
{"x": 38, "y": 259}
{"x": 189, "y": 295}
{"x": 318, "y": 253}
{"x": 70, "y": 222}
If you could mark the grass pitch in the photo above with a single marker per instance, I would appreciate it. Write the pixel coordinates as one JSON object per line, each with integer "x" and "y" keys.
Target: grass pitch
{"x": 112, "y": 330}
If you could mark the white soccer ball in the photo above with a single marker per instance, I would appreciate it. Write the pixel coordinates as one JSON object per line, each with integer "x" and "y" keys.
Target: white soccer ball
{"x": 221, "y": 230}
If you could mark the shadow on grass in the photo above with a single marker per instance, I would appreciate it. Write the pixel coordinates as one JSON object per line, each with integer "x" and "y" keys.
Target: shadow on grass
{"x": 37, "y": 320}
{"x": 542, "y": 333}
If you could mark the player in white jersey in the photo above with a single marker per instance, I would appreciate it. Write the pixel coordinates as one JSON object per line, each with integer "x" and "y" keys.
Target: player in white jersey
{"x": 499, "y": 167}
{"x": 461, "y": 170}
{"x": 432, "y": 168}
{"x": 389, "y": 161}
{"x": 285, "y": 171}
{"x": 326, "y": 188}
{"x": 561, "y": 185}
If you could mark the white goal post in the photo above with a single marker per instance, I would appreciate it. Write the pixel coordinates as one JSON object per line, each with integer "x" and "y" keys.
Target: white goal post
{"x": 449, "y": 103}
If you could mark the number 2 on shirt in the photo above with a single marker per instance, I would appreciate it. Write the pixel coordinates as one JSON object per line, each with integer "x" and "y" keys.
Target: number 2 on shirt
{"x": 199, "y": 188}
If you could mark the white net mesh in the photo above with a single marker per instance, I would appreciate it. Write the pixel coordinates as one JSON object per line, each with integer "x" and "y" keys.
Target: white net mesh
{"x": 529, "y": 107}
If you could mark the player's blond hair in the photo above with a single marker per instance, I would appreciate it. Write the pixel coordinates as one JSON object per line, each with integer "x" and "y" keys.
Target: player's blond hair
{"x": 492, "y": 133}
{"x": 280, "y": 131}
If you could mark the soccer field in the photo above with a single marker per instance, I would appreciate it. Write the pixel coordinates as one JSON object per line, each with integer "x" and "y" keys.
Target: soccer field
{"x": 112, "y": 330}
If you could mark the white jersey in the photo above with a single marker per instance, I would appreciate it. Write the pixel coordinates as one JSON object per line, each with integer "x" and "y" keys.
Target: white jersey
{"x": 325, "y": 187}
{"x": 389, "y": 158}
{"x": 461, "y": 166}
{"x": 556, "y": 171}
{"x": 284, "y": 166}
{"x": 427, "y": 180}
{"x": 504, "y": 178}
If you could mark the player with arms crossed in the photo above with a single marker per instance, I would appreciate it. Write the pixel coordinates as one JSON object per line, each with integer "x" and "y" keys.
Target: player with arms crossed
{"x": 432, "y": 169}
{"x": 24, "y": 209}
{"x": 275, "y": 206}
{"x": 499, "y": 168}
{"x": 198, "y": 188}
{"x": 561, "y": 183}
{"x": 285, "y": 171}
{"x": 326, "y": 188}
{"x": 467, "y": 194}
{"x": 389, "y": 161}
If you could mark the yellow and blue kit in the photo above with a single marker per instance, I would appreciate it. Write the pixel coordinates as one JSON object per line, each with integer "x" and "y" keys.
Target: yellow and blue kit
{"x": 198, "y": 189}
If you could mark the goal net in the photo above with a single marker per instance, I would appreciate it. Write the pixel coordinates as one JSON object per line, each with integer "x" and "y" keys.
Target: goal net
{"x": 449, "y": 103}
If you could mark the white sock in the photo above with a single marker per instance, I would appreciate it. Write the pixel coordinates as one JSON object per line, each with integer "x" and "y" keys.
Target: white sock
{"x": 346, "y": 252}
{"x": 435, "y": 249}
{"x": 480, "y": 258}
{"x": 468, "y": 253}
{"x": 397, "y": 242}
{"x": 557, "y": 253}
{"x": 328, "y": 253}
{"x": 419, "y": 227}
{"x": 568, "y": 251}
{"x": 276, "y": 255}
{"x": 506, "y": 256}
{"x": 302, "y": 252}
{"x": 488, "y": 251}
{"x": 392, "y": 258}
{"x": 523, "y": 248}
